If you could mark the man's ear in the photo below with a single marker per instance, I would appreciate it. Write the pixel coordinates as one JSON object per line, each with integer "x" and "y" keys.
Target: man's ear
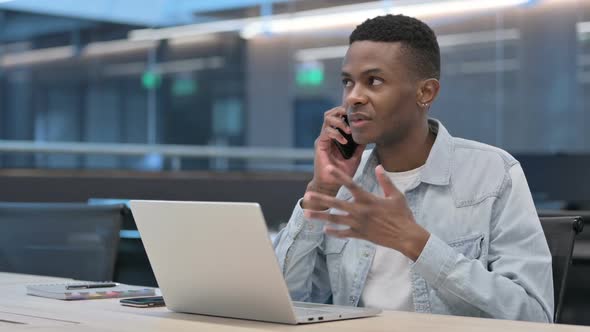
{"x": 427, "y": 92}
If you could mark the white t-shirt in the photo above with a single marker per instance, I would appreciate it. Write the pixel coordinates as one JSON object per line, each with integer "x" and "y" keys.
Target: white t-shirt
{"x": 389, "y": 284}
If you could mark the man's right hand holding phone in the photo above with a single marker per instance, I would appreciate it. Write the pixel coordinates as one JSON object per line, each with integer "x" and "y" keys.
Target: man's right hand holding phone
{"x": 327, "y": 153}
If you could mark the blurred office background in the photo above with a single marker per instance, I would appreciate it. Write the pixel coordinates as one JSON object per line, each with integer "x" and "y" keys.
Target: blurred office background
{"x": 223, "y": 99}
{"x": 241, "y": 85}
{"x": 260, "y": 73}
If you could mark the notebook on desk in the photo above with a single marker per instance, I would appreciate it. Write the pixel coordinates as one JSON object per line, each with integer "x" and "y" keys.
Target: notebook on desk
{"x": 215, "y": 258}
{"x": 86, "y": 291}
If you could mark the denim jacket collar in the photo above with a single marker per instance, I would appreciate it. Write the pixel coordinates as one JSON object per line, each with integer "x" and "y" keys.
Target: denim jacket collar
{"x": 437, "y": 170}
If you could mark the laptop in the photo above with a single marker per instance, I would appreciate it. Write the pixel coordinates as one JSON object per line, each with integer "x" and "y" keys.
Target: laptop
{"x": 216, "y": 258}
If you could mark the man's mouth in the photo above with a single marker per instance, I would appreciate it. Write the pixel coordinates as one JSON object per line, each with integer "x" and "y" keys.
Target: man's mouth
{"x": 357, "y": 120}
{"x": 356, "y": 123}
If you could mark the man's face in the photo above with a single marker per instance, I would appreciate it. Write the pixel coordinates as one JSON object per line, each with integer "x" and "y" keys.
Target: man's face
{"x": 379, "y": 93}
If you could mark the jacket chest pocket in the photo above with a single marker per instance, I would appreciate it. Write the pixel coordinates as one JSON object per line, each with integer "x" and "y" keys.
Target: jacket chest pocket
{"x": 470, "y": 246}
{"x": 333, "y": 245}
{"x": 333, "y": 248}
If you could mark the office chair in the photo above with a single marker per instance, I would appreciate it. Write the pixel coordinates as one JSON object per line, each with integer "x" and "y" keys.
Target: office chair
{"x": 581, "y": 252}
{"x": 560, "y": 233}
{"x": 72, "y": 240}
{"x": 132, "y": 265}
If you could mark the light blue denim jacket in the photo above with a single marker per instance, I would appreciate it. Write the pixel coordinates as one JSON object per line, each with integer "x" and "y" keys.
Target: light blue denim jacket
{"x": 486, "y": 256}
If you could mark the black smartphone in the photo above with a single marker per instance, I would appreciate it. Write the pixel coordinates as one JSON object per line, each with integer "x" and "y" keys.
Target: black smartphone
{"x": 347, "y": 150}
{"x": 143, "y": 302}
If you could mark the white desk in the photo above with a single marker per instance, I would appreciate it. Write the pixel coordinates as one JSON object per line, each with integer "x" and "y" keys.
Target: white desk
{"x": 48, "y": 315}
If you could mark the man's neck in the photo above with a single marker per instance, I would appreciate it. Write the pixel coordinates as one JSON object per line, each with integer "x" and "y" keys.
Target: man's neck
{"x": 408, "y": 154}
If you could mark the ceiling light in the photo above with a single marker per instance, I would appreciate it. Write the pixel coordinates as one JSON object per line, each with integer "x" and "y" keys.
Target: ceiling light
{"x": 116, "y": 47}
{"x": 333, "y": 17}
{"x": 355, "y": 14}
{"x": 444, "y": 41}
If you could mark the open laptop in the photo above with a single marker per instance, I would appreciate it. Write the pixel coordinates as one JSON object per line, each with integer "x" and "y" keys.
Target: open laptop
{"x": 216, "y": 258}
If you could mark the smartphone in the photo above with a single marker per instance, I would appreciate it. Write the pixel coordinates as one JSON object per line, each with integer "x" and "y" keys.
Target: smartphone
{"x": 143, "y": 302}
{"x": 347, "y": 150}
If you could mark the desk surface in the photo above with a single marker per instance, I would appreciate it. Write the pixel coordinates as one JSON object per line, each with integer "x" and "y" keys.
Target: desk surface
{"x": 41, "y": 314}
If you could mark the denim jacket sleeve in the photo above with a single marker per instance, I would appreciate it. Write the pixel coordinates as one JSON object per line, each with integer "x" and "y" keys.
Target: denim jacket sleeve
{"x": 517, "y": 283}
{"x": 298, "y": 249}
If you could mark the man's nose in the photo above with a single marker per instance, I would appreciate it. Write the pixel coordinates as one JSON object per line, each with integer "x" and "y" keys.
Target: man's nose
{"x": 356, "y": 96}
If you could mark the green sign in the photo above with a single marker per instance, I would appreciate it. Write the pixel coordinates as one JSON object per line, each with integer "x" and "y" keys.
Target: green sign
{"x": 310, "y": 77}
{"x": 309, "y": 73}
{"x": 184, "y": 87}
{"x": 151, "y": 80}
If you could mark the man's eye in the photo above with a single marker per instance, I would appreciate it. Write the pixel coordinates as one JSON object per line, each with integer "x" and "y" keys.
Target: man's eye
{"x": 375, "y": 81}
{"x": 346, "y": 82}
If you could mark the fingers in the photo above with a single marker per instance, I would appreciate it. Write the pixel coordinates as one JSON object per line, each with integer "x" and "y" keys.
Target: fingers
{"x": 332, "y": 202}
{"x": 332, "y": 120}
{"x": 336, "y": 121}
{"x": 345, "y": 180}
{"x": 389, "y": 189}
{"x": 333, "y": 133}
{"x": 332, "y": 218}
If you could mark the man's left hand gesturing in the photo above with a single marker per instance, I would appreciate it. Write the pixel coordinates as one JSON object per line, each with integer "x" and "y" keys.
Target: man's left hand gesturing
{"x": 386, "y": 221}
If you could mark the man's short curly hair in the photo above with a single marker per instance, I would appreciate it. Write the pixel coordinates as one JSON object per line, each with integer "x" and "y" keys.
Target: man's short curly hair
{"x": 416, "y": 37}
